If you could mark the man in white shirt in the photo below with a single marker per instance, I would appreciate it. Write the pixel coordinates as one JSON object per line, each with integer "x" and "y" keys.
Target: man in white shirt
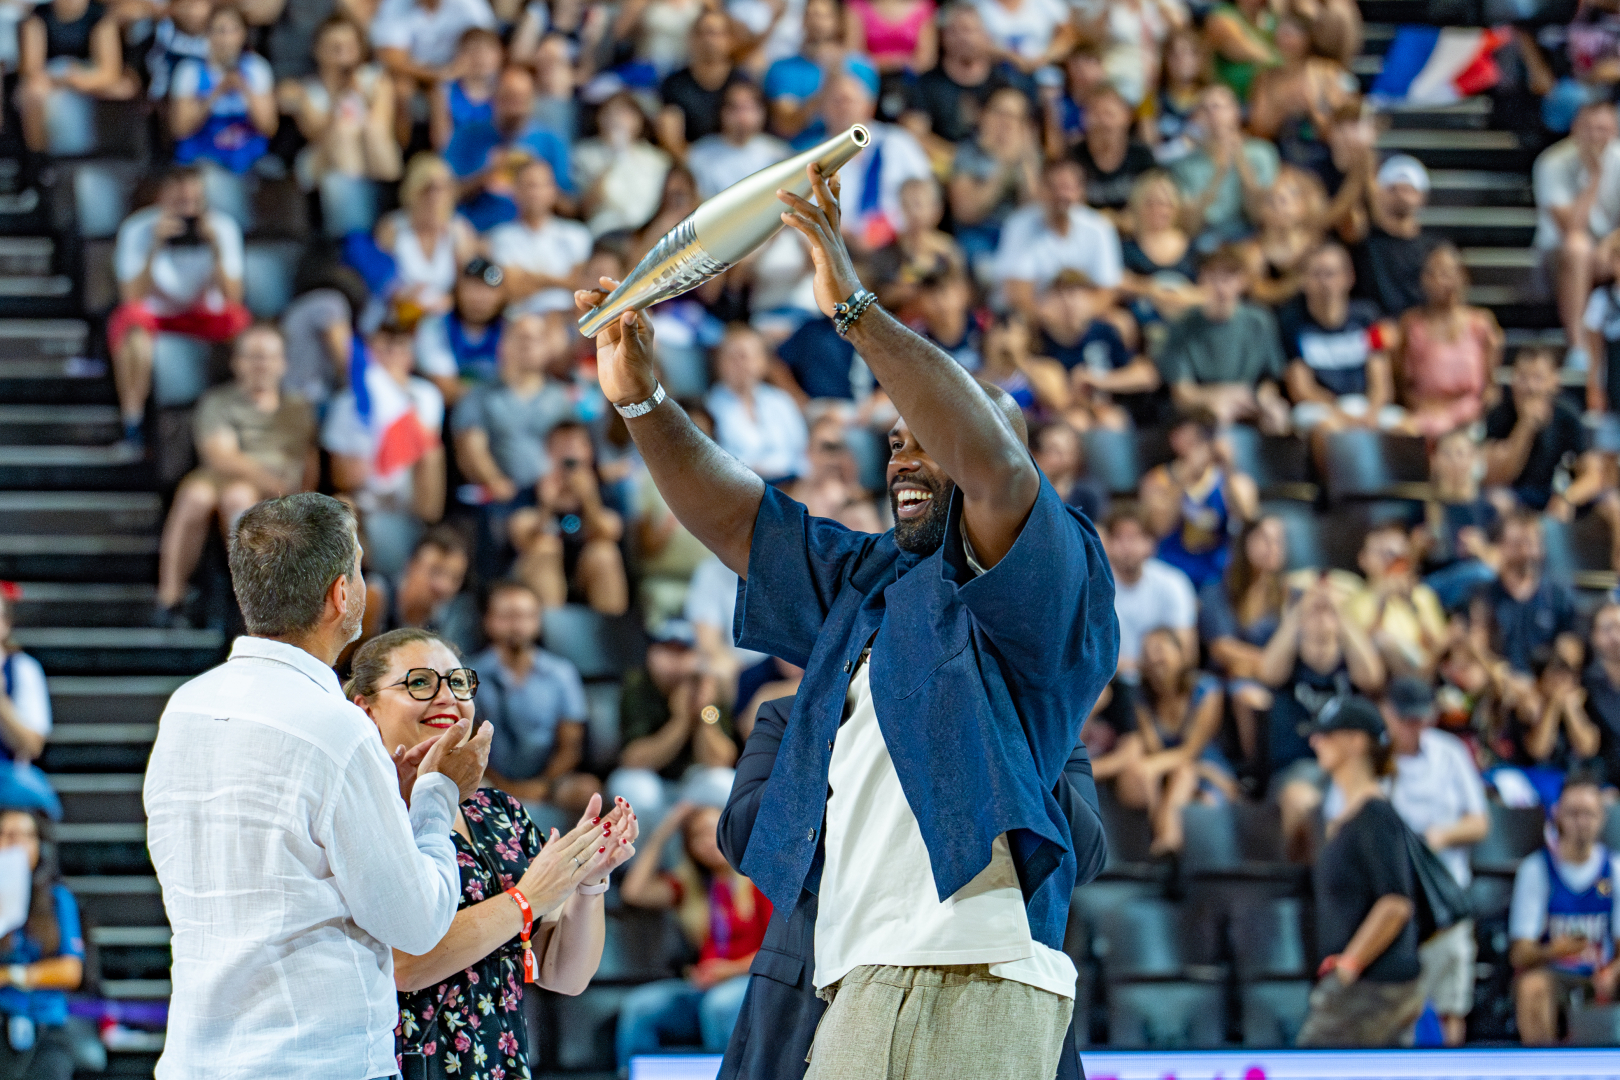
{"x": 740, "y": 148}
{"x": 540, "y": 254}
{"x": 1061, "y": 233}
{"x": 1148, "y": 593}
{"x": 289, "y": 863}
{"x": 870, "y": 182}
{"x": 1438, "y": 792}
{"x": 179, "y": 269}
{"x": 416, "y": 41}
{"x": 1571, "y": 179}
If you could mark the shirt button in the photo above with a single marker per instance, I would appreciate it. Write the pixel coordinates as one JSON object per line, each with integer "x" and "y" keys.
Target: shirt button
{"x": 811, "y": 836}
{"x": 829, "y": 746}
{"x": 847, "y": 666}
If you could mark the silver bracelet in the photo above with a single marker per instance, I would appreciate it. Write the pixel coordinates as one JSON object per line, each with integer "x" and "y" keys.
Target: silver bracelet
{"x": 593, "y": 890}
{"x": 642, "y": 408}
{"x": 845, "y": 314}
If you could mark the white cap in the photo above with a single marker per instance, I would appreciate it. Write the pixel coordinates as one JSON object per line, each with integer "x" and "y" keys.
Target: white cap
{"x": 1404, "y": 169}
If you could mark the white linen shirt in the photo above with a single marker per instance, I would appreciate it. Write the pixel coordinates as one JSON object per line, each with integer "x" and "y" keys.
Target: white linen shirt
{"x": 289, "y": 868}
{"x": 558, "y": 248}
{"x": 1031, "y": 250}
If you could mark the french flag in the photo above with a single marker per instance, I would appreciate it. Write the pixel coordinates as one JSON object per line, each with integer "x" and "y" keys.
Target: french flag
{"x": 1429, "y": 65}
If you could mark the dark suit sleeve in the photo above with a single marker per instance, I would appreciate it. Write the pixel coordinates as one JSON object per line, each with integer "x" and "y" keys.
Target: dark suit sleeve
{"x": 1076, "y": 793}
{"x": 753, "y": 769}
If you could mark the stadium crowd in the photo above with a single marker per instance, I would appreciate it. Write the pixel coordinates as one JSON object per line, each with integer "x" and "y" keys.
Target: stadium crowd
{"x": 1141, "y": 218}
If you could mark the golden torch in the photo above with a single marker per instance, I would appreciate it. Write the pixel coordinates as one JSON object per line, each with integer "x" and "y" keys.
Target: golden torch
{"x": 721, "y": 231}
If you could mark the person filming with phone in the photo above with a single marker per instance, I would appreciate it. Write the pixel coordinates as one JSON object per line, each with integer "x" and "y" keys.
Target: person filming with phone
{"x": 568, "y": 542}
{"x": 528, "y": 914}
{"x": 290, "y": 866}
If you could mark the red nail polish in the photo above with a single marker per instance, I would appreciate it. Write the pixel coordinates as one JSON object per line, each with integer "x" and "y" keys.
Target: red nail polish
{"x": 600, "y": 850}
{"x": 596, "y": 821}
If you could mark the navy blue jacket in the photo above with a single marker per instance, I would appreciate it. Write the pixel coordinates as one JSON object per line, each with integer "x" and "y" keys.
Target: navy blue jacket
{"x": 980, "y": 686}
{"x": 780, "y": 1010}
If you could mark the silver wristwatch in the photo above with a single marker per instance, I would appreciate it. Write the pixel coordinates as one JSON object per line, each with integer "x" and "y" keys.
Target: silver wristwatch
{"x": 642, "y": 408}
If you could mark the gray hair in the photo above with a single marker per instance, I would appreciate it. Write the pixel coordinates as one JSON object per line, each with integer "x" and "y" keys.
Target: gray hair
{"x": 285, "y": 554}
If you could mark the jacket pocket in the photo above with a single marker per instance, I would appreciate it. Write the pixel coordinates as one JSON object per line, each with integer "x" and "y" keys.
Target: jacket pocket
{"x": 778, "y": 966}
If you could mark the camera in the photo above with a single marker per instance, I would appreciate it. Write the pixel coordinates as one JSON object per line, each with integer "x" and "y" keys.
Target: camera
{"x": 189, "y": 236}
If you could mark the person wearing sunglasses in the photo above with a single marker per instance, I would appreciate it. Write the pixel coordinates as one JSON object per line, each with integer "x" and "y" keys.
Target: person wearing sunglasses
{"x": 527, "y": 912}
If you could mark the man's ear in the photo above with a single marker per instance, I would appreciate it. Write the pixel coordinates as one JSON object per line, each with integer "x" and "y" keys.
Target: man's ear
{"x": 338, "y": 598}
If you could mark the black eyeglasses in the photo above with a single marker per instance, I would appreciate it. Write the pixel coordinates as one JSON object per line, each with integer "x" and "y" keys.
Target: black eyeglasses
{"x": 422, "y": 683}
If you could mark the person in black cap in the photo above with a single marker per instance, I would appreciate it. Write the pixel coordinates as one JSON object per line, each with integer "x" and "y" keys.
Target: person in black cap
{"x": 1369, "y": 991}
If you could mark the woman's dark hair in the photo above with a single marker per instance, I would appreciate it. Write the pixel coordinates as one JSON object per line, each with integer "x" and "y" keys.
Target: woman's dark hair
{"x": 41, "y": 927}
{"x": 1382, "y": 752}
{"x": 1241, "y": 574}
{"x": 1189, "y": 673}
{"x": 371, "y": 660}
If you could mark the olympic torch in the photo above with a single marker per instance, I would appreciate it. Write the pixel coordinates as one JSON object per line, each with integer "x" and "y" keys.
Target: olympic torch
{"x": 721, "y": 232}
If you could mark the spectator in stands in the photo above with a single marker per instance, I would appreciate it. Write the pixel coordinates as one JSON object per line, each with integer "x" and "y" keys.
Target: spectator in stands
{"x": 1059, "y": 233}
{"x": 1133, "y": 36}
{"x": 428, "y": 240}
{"x": 568, "y": 541}
{"x": 1149, "y": 594}
{"x": 345, "y": 112}
{"x": 1370, "y": 988}
{"x": 1293, "y": 104}
{"x": 792, "y": 83}
{"x": 179, "y": 268}
{"x": 1027, "y": 34}
{"x": 386, "y": 454}
{"x": 69, "y": 52}
{"x": 900, "y": 37}
{"x": 1226, "y": 172}
{"x": 667, "y": 554}
{"x": 1401, "y": 615}
{"x": 1197, "y": 501}
{"x": 1438, "y": 793}
{"x": 459, "y": 349}
{"x": 1317, "y": 655}
{"x": 1160, "y": 265}
{"x": 1530, "y": 436}
{"x": 740, "y": 148}
{"x": 25, "y": 719}
{"x": 413, "y": 688}
{"x": 677, "y": 738}
{"x": 1182, "y": 78}
{"x": 1571, "y": 218}
{"x": 536, "y": 703}
{"x": 952, "y": 94}
{"x": 919, "y": 249}
{"x": 693, "y": 95}
{"x": 1566, "y": 906}
{"x": 416, "y": 41}
{"x": 223, "y": 109}
{"x": 1396, "y": 251}
{"x": 619, "y": 174}
{"x": 873, "y": 215}
{"x": 44, "y": 958}
{"x": 995, "y": 172}
{"x": 1170, "y": 758}
{"x": 1601, "y": 682}
{"x": 468, "y": 96}
{"x": 658, "y": 31}
{"x": 540, "y": 253}
{"x": 1289, "y": 225}
{"x": 1112, "y": 160}
{"x": 254, "y": 442}
{"x": 1455, "y": 542}
{"x": 317, "y": 328}
{"x": 180, "y": 32}
{"x": 486, "y": 155}
{"x": 1061, "y": 455}
{"x": 1240, "y": 36}
{"x": 831, "y": 486}
{"x": 1448, "y": 351}
{"x": 1541, "y": 729}
{"x": 724, "y": 917}
{"x": 1038, "y": 384}
{"x": 1224, "y": 356}
{"x": 1525, "y": 610}
{"x": 1237, "y": 616}
{"x": 755, "y": 422}
{"x": 429, "y": 594}
{"x": 1101, "y": 369}
{"x": 1339, "y": 372}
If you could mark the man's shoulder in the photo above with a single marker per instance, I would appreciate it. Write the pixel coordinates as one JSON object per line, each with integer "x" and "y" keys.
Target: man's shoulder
{"x": 1559, "y": 153}
{"x": 550, "y": 665}
{"x": 276, "y": 697}
{"x": 1166, "y": 578}
{"x": 140, "y": 220}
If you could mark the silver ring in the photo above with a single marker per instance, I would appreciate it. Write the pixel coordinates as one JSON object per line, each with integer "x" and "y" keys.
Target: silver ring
{"x": 577, "y": 864}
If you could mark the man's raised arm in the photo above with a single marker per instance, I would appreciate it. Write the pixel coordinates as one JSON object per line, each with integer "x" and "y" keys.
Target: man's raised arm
{"x": 950, "y": 415}
{"x": 711, "y": 493}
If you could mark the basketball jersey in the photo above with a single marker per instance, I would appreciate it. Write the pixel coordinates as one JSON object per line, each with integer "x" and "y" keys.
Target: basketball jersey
{"x": 1588, "y": 914}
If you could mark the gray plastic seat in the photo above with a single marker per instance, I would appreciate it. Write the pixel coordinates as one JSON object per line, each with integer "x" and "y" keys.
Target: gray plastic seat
{"x": 1273, "y": 1012}
{"x": 1166, "y": 1016}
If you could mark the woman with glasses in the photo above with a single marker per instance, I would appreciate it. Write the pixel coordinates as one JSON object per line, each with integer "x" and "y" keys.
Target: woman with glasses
{"x": 528, "y": 913}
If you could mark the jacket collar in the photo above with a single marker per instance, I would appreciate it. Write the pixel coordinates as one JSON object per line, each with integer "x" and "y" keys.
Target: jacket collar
{"x": 269, "y": 649}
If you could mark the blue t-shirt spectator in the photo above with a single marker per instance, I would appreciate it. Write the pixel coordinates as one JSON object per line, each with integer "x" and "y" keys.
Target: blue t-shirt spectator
{"x": 821, "y": 361}
{"x": 526, "y": 712}
{"x": 1337, "y": 356}
{"x": 46, "y": 1008}
{"x": 1521, "y": 628}
{"x": 474, "y": 145}
{"x": 1217, "y": 620}
{"x": 1100, "y": 349}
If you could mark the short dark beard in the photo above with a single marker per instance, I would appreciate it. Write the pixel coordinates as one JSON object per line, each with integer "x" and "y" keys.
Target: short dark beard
{"x": 924, "y": 535}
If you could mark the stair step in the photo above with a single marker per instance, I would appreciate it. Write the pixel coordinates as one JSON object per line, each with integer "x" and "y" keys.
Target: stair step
{"x": 90, "y": 859}
{"x": 75, "y": 544}
{"x": 135, "y": 989}
{"x": 104, "y": 733}
{"x": 35, "y": 286}
{"x": 59, "y": 604}
{"x": 109, "y": 650}
{"x": 43, "y": 425}
{"x": 98, "y": 783}
{"x": 80, "y": 511}
{"x": 131, "y": 935}
{"x": 23, "y": 339}
{"x": 1470, "y": 114}
{"x": 131, "y": 832}
{"x": 73, "y": 557}
{"x": 94, "y": 699}
{"x": 32, "y": 375}
{"x": 26, "y": 254}
{"x": 1458, "y": 149}
{"x": 1482, "y": 226}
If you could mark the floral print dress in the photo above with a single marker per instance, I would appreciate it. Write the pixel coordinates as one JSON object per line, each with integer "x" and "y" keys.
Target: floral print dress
{"x": 473, "y": 1021}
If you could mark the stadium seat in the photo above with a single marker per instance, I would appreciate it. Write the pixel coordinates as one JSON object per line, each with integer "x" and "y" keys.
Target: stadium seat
{"x": 600, "y": 646}
{"x": 278, "y": 209}
{"x": 1140, "y": 940}
{"x": 1268, "y": 940}
{"x": 1279, "y": 464}
{"x": 1300, "y": 532}
{"x": 179, "y": 369}
{"x": 1166, "y": 1016}
{"x": 120, "y": 130}
{"x": 1366, "y": 464}
{"x": 1129, "y": 838}
{"x": 1611, "y": 828}
{"x": 1094, "y": 899}
{"x": 100, "y": 285}
{"x": 1212, "y": 840}
{"x": 268, "y": 267}
{"x": 1515, "y": 833}
{"x": 602, "y": 726}
{"x": 584, "y": 1028}
{"x": 1343, "y": 528}
{"x": 1259, "y": 830}
{"x": 1594, "y": 1025}
{"x": 635, "y": 947}
{"x": 1489, "y": 896}
{"x": 1273, "y": 1012}
{"x": 102, "y": 194}
{"x": 1111, "y": 459}
{"x": 1583, "y": 546}
{"x": 684, "y": 370}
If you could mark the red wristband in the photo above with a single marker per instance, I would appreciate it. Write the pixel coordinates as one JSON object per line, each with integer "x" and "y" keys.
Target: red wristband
{"x": 531, "y": 970}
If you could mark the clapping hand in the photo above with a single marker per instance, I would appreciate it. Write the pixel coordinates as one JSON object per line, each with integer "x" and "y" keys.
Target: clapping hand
{"x": 590, "y": 851}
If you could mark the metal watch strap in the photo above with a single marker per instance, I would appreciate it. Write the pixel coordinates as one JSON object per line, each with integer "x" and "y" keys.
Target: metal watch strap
{"x": 642, "y": 408}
